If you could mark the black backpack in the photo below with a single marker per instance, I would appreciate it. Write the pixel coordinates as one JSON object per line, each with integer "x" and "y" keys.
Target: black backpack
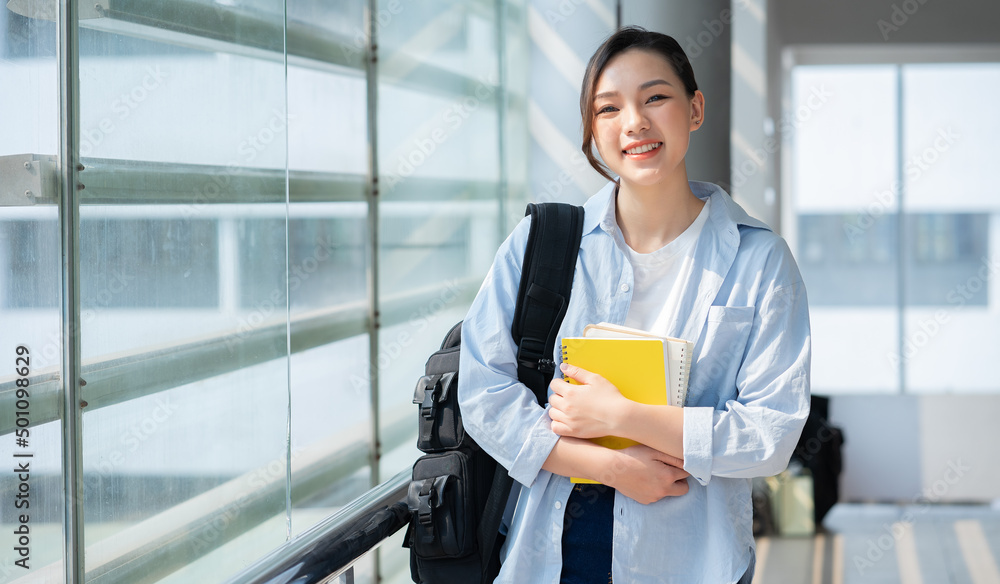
{"x": 458, "y": 492}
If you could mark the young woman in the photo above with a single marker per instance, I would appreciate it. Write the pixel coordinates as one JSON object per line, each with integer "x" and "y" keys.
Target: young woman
{"x": 678, "y": 258}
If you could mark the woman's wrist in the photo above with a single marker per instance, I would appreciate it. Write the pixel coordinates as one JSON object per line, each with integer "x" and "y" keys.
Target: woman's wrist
{"x": 623, "y": 419}
{"x": 576, "y": 457}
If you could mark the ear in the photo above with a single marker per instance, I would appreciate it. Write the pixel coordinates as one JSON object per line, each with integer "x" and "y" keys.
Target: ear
{"x": 697, "y": 110}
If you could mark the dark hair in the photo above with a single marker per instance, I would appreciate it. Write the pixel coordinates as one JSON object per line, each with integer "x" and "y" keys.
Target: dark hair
{"x": 625, "y": 39}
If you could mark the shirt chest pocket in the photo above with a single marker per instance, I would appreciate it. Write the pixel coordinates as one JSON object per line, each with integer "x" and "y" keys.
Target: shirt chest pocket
{"x": 727, "y": 330}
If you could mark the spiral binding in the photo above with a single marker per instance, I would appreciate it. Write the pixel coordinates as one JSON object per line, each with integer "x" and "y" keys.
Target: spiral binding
{"x": 683, "y": 376}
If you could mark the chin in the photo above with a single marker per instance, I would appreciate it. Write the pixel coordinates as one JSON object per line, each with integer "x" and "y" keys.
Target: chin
{"x": 642, "y": 179}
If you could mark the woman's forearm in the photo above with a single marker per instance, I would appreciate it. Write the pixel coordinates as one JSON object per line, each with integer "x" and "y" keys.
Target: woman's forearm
{"x": 638, "y": 472}
{"x": 659, "y": 427}
{"x": 575, "y": 457}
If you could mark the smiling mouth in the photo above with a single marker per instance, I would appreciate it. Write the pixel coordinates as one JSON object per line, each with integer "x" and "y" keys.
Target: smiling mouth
{"x": 643, "y": 149}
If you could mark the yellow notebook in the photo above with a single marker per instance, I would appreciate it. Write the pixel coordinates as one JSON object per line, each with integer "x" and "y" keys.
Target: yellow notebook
{"x": 678, "y": 355}
{"x": 636, "y": 366}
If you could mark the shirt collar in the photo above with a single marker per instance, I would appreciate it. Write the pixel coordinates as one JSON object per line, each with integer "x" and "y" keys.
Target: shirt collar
{"x": 599, "y": 210}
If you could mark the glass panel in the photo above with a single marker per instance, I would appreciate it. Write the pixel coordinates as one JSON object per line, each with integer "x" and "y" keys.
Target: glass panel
{"x": 844, "y": 196}
{"x": 455, "y": 36}
{"x": 844, "y": 121}
{"x": 848, "y": 269}
{"x": 328, "y": 133}
{"x": 952, "y": 252}
{"x": 439, "y": 204}
{"x": 206, "y": 453}
{"x": 30, "y": 277}
{"x": 516, "y": 47}
{"x": 31, "y": 518}
{"x": 446, "y": 128}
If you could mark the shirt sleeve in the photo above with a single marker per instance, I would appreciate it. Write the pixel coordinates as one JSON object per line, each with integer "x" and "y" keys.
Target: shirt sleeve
{"x": 755, "y": 434}
{"x": 500, "y": 413}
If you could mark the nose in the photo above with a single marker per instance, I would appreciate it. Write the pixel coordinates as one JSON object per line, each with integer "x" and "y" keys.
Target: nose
{"x": 634, "y": 120}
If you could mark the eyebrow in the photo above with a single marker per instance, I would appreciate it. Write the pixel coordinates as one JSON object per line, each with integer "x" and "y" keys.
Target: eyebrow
{"x": 642, "y": 87}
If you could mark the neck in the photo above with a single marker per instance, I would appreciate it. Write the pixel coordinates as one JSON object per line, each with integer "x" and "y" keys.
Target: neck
{"x": 651, "y": 216}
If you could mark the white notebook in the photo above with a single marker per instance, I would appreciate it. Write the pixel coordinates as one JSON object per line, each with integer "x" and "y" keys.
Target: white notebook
{"x": 678, "y": 355}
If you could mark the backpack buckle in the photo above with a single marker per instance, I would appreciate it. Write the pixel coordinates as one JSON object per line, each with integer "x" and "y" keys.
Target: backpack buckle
{"x": 427, "y": 496}
{"x": 425, "y": 394}
{"x": 530, "y": 353}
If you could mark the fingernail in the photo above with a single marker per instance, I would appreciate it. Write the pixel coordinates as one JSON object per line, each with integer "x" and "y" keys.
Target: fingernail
{"x": 563, "y": 366}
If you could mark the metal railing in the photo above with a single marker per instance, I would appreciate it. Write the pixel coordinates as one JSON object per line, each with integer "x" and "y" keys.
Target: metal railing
{"x": 153, "y": 548}
{"x": 331, "y": 547}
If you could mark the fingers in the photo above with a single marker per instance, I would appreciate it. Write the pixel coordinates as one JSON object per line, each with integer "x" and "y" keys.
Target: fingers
{"x": 667, "y": 459}
{"x": 577, "y": 374}
{"x": 678, "y": 488}
{"x": 646, "y": 451}
{"x": 559, "y": 422}
{"x": 560, "y": 429}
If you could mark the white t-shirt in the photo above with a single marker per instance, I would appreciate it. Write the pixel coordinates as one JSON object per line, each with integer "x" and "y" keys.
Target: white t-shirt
{"x": 660, "y": 277}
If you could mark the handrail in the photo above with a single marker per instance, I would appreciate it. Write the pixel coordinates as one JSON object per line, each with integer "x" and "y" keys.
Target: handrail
{"x": 118, "y": 378}
{"x": 334, "y": 544}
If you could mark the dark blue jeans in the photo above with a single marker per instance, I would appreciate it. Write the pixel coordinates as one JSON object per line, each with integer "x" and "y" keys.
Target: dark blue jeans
{"x": 588, "y": 527}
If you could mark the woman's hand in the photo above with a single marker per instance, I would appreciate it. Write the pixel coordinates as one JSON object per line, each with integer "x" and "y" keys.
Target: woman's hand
{"x": 592, "y": 409}
{"x": 646, "y": 475}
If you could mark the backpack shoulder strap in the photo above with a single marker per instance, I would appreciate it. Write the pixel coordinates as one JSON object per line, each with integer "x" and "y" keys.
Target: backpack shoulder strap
{"x": 542, "y": 298}
{"x": 544, "y": 291}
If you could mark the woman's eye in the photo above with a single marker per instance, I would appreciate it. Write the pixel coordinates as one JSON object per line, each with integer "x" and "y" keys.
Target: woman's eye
{"x": 657, "y": 97}
{"x": 606, "y": 109}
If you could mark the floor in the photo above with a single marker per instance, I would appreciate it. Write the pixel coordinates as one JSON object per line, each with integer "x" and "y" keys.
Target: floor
{"x": 906, "y": 544}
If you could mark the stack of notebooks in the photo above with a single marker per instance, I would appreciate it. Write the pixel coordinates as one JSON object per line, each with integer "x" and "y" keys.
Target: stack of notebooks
{"x": 645, "y": 367}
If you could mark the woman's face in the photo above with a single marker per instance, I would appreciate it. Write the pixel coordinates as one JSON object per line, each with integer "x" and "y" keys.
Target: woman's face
{"x": 643, "y": 117}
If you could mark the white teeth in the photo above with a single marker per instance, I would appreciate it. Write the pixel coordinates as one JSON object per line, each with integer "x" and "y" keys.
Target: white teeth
{"x": 646, "y": 148}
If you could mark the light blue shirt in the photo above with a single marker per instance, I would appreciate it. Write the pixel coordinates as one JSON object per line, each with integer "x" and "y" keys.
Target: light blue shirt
{"x": 748, "y": 398}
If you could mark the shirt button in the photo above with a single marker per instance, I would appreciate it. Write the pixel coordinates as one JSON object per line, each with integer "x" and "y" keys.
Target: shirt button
{"x": 624, "y": 287}
{"x": 558, "y": 505}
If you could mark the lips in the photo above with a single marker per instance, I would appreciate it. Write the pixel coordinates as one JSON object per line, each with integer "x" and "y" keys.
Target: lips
{"x": 642, "y": 148}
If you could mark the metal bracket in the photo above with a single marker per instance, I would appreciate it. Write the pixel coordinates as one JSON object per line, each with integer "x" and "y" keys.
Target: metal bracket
{"x": 27, "y": 180}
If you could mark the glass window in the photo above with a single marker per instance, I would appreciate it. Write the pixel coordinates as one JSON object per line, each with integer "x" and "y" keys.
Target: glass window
{"x": 895, "y": 214}
{"x": 844, "y": 155}
{"x": 226, "y": 259}
{"x": 951, "y": 251}
{"x": 194, "y": 421}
